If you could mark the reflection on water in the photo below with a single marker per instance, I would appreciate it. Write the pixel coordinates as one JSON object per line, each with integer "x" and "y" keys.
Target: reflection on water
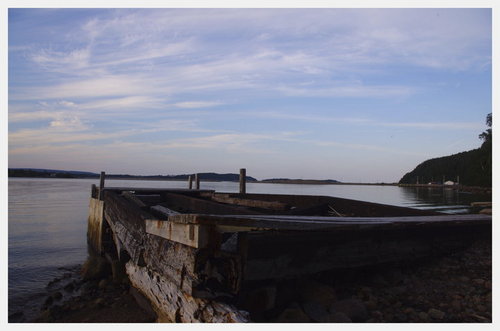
{"x": 48, "y": 221}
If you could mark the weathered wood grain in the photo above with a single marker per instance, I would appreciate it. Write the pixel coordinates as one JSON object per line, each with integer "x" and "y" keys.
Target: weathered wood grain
{"x": 273, "y": 205}
{"x": 95, "y": 225}
{"x": 194, "y": 235}
{"x": 173, "y": 305}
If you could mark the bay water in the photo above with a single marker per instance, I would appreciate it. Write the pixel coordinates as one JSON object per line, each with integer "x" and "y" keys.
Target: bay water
{"x": 47, "y": 223}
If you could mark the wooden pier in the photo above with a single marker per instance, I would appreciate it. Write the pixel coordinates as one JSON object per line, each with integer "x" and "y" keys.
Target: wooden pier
{"x": 192, "y": 252}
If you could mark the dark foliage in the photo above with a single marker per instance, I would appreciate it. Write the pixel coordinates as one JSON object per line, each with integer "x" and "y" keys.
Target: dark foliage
{"x": 473, "y": 167}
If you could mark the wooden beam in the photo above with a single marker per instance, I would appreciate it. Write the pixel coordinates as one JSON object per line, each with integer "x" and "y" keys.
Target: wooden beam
{"x": 285, "y": 222}
{"x": 95, "y": 225}
{"x": 164, "y": 210}
{"x": 273, "y": 205}
{"x": 101, "y": 185}
{"x": 243, "y": 180}
{"x": 131, "y": 197}
{"x": 193, "y": 235}
{"x": 197, "y": 181}
{"x": 194, "y": 205}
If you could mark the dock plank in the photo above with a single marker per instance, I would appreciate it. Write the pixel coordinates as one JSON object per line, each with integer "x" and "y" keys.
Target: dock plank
{"x": 323, "y": 222}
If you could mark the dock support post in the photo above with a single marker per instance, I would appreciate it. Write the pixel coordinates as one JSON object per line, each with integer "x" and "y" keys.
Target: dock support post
{"x": 197, "y": 180}
{"x": 101, "y": 185}
{"x": 243, "y": 178}
{"x": 190, "y": 180}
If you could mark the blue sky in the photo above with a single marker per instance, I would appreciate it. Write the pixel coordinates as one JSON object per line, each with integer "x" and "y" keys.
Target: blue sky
{"x": 347, "y": 94}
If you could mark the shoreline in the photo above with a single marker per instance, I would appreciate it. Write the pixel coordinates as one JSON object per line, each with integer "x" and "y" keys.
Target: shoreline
{"x": 454, "y": 288}
{"x": 464, "y": 188}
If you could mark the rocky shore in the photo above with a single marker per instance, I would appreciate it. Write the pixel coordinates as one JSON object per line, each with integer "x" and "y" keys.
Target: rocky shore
{"x": 455, "y": 288}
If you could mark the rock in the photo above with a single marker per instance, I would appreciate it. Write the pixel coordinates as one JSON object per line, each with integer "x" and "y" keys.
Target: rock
{"x": 338, "y": 317}
{"x": 48, "y": 301}
{"x": 16, "y": 317}
{"x": 478, "y": 281}
{"x": 45, "y": 317}
{"x": 353, "y": 308}
{"x": 481, "y": 308}
{"x": 103, "y": 283}
{"x": 69, "y": 287}
{"x": 456, "y": 305}
{"x": 316, "y": 312}
{"x": 98, "y": 303}
{"x": 313, "y": 291}
{"x": 293, "y": 315}
{"x": 379, "y": 280}
{"x": 95, "y": 267}
{"x": 57, "y": 295}
{"x": 408, "y": 310}
{"x": 377, "y": 315}
{"x": 400, "y": 318}
{"x": 52, "y": 282}
{"x": 371, "y": 304}
{"x": 486, "y": 211}
{"x": 487, "y": 285}
{"x": 261, "y": 299}
{"x": 436, "y": 314}
{"x": 423, "y": 316}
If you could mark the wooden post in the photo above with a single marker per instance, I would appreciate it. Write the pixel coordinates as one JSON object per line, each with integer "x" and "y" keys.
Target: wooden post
{"x": 190, "y": 180}
{"x": 93, "y": 191}
{"x": 243, "y": 178}
{"x": 197, "y": 180}
{"x": 101, "y": 185}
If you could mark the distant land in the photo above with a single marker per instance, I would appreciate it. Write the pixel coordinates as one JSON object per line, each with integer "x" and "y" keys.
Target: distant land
{"x": 470, "y": 168}
{"x": 51, "y": 173}
{"x": 206, "y": 176}
{"x": 299, "y": 181}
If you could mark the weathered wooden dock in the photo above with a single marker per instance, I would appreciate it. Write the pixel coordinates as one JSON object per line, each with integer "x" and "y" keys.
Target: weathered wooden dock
{"x": 193, "y": 252}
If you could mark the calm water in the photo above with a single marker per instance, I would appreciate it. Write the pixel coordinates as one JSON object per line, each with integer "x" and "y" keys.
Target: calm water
{"x": 48, "y": 222}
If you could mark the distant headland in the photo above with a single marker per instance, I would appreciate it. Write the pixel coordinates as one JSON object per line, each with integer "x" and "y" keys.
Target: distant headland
{"x": 205, "y": 176}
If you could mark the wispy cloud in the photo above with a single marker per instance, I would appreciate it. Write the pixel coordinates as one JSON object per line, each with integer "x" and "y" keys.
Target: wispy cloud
{"x": 197, "y": 104}
{"x": 223, "y": 81}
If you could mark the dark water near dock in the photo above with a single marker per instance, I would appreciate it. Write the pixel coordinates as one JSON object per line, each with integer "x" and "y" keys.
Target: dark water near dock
{"x": 48, "y": 223}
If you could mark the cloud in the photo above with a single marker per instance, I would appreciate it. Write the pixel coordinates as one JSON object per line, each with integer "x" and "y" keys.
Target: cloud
{"x": 54, "y": 60}
{"x": 352, "y": 91}
{"x": 197, "y": 104}
{"x": 105, "y": 86}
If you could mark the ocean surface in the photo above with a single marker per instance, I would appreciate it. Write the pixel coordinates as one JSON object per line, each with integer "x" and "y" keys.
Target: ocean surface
{"x": 47, "y": 223}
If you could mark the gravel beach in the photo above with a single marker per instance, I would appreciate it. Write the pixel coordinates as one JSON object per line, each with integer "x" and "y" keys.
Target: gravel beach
{"x": 455, "y": 288}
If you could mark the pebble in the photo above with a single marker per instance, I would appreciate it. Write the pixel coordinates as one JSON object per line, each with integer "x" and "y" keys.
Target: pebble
{"x": 69, "y": 287}
{"x": 436, "y": 314}
{"x": 423, "y": 316}
{"x": 353, "y": 308}
{"x": 57, "y": 295}
{"x": 316, "y": 311}
{"x": 317, "y": 292}
{"x": 338, "y": 317}
{"x": 478, "y": 281}
{"x": 293, "y": 315}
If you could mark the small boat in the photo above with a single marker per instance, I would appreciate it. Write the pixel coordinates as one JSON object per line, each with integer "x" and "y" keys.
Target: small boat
{"x": 193, "y": 252}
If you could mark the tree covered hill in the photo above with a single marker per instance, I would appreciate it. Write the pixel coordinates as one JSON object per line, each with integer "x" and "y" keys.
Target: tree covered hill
{"x": 473, "y": 168}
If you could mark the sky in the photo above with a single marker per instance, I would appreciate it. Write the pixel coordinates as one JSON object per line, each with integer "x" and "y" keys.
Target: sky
{"x": 356, "y": 95}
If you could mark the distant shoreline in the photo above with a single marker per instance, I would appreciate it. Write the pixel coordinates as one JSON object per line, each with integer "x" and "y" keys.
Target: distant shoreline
{"x": 214, "y": 178}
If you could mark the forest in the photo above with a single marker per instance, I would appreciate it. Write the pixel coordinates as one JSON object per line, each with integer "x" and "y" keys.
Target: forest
{"x": 471, "y": 168}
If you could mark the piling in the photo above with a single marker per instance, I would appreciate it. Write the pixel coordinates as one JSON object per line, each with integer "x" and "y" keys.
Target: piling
{"x": 190, "y": 180}
{"x": 243, "y": 180}
{"x": 197, "y": 181}
{"x": 101, "y": 185}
